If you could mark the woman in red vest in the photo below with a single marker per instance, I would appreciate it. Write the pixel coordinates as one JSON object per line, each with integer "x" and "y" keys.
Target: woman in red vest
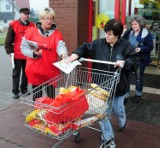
{"x": 50, "y": 46}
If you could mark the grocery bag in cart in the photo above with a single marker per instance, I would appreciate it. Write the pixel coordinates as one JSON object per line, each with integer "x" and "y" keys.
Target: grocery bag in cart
{"x": 65, "y": 107}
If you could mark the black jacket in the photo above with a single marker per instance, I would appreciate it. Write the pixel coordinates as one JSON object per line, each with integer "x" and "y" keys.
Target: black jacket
{"x": 100, "y": 50}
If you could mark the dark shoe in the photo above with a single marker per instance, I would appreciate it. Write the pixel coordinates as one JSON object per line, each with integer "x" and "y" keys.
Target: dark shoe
{"x": 125, "y": 101}
{"x": 15, "y": 96}
{"x": 122, "y": 128}
{"x": 136, "y": 99}
{"x": 110, "y": 143}
{"x": 105, "y": 143}
{"x": 24, "y": 91}
{"x": 76, "y": 136}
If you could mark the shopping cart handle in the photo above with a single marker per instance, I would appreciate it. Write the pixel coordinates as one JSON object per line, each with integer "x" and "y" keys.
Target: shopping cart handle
{"x": 96, "y": 61}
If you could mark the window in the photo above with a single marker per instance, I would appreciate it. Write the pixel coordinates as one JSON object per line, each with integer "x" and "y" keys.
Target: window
{"x": 8, "y": 7}
{"x": 103, "y": 10}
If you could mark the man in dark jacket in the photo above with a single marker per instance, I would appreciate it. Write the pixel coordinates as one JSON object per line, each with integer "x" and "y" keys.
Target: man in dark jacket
{"x": 115, "y": 49}
{"x": 13, "y": 40}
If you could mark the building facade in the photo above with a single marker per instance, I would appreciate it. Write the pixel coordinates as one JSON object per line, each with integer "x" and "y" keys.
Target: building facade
{"x": 77, "y": 19}
{"x": 9, "y": 10}
{"x": 72, "y": 20}
{"x": 83, "y": 20}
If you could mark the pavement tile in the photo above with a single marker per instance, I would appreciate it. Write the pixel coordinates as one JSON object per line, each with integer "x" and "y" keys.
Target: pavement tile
{"x": 13, "y": 129}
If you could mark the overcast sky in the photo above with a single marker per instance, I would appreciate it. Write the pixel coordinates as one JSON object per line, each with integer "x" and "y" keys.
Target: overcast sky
{"x": 39, "y": 4}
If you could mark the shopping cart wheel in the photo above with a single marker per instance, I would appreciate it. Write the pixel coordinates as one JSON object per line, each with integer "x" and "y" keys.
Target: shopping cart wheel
{"x": 76, "y": 136}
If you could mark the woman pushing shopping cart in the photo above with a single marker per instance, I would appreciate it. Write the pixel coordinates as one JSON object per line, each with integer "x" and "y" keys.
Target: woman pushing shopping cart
{"x": 115, "y": 49}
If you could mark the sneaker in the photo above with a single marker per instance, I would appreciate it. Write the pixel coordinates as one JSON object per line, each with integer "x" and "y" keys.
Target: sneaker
{"x": 16, "y": 96}
{"x": 136, "y": 99}
{"x": 122, "y": 128}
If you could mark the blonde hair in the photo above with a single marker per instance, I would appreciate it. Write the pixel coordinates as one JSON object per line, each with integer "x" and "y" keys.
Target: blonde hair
{"x": 46, "y": 11}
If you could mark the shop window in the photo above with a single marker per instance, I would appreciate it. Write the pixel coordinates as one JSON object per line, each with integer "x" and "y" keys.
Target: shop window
{"x": 103, "y": 11}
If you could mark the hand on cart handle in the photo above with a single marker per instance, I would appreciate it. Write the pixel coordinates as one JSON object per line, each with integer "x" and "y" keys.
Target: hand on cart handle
{"x": 119, "y": 63}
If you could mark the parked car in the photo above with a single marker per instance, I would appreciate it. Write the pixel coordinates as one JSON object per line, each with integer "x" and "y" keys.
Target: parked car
{"x": 1, "y": 28}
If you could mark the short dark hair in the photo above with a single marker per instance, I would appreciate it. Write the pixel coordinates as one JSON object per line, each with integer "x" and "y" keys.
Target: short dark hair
{"x": 25, "y": 11}
{"x": 114, "y": 25}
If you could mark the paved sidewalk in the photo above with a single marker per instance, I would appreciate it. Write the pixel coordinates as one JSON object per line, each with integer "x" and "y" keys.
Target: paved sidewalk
{"x": 5, "y": 79}
{"x": 13, "y": 133}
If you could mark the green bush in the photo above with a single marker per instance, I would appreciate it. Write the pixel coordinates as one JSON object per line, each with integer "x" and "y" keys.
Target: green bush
{"x": 2, "y": 40}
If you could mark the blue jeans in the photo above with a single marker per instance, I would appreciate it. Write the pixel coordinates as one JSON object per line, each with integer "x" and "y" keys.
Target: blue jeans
{"x": 118, "y": 109}
{"x": 139, "y": 80}
{"x": 139, "y": 74}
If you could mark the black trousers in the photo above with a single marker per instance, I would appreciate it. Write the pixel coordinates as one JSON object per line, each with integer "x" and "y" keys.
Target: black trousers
{"x": 38, "y": 90}
{"x": 19, "y": 76}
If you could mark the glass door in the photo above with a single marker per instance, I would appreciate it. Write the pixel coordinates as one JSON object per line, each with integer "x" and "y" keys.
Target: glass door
{"x": 103, "y": 10}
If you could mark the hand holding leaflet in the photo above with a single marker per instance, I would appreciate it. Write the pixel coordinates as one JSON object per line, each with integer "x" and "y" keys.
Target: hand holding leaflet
{"x": 66, "y": 67}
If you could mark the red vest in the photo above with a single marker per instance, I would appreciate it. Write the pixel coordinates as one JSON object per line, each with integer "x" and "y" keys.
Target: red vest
{"x": 19, "y": 33}
{"x": 41, "y": 69}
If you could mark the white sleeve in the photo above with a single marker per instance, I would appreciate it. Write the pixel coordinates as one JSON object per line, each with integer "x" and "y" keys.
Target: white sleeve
{"x": 26, "y": 49}
{"x": 61, "y": 48}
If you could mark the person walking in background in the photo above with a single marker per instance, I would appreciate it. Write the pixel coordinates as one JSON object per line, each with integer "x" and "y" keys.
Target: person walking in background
{"x": 142, "y": 41}
{"x": 13, "y": 39}
{"x": 115, "y": 49}
{"x": 40, "y": 59}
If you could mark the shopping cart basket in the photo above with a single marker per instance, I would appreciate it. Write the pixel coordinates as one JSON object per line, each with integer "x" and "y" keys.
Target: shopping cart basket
{"x": 64, "y": 104}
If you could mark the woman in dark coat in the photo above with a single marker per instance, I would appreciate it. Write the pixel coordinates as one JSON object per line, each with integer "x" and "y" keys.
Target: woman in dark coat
{"x": 142, "y": 40}
{"x": 115, "y": 49}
